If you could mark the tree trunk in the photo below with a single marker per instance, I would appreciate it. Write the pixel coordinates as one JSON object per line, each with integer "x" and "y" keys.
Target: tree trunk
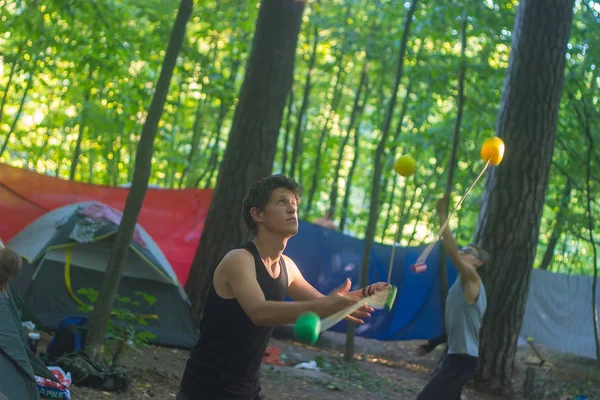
{"x": 13, "y": 69}
{"x": 376, "y": 181}
{"x": 139, "y": 185}
{"x": 213, "y": 162}
{"x": 559, "y": 220}
{"x": 197, "y": 131}
{"x": 335, "y": 101}
{"x": 253, "y": 138}
{"x": 288, "y": 128}
{"x": 592, "y": 242}
{"x": 21, "y": 104}
{"x": 82, "y": 127}
{"x": 302, "y": 112}
{"x": 583, "y": 115}
{"x": 443, "y": 272}
{"x": 196, "y": 136}
{"x": 513, "y": 199}
{"x": 350, "y": 177}
{"x": 388, "y": 216}
{"x": 338, "y": 166}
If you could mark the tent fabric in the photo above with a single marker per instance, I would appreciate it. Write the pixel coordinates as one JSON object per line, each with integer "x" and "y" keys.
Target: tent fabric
{"x": 173, "y": 218}
{"x": 56, "y": 266}
{"x": 327, "y": 257}
{"x": 16, "y": 371}
{"x": 558, "y": 312}
{"x": 37, "y": 365}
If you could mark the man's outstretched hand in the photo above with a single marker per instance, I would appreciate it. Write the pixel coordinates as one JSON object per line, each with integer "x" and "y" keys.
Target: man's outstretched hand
{"x": 366, "y": 310}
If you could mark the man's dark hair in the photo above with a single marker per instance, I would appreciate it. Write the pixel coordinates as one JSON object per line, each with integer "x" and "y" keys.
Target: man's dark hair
{"x": 260, "y": 192}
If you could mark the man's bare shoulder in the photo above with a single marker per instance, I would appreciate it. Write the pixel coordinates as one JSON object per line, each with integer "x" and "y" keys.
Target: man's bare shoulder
{"x": 288, "y": 260}
{"x": 235, "y": 260}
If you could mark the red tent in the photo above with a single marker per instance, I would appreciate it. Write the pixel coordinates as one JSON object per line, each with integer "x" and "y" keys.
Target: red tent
{"x": 174, "y": 218}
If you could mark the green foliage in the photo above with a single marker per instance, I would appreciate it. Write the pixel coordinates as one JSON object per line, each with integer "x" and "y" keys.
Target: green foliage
{"x": 95, "y": 65}
{"x": 121, "y": 333}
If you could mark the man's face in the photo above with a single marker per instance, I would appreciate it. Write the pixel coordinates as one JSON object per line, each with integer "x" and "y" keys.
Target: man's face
{"x": 470, "y": 255}
{"x": 281, "y": 213}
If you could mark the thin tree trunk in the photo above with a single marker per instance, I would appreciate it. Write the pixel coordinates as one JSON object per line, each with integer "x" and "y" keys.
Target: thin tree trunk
{"x": 223, "y": 109}
{"x": 253, "y": 138}
{"x": 82, "y": 127}
{"x": 392, "y": 175}
{"x": 442, "y": 271}
{"x": 355, "y": 158}
{"x": 559, "y": 220}
{"x": 335, "y": 101}
{"x": 196, "y": 136}
{"x": 388, "y": 216}
{"x": 305, "y": 100}
{"x": 135, "y": 198}
{"x": 513, "y": 199}
{"x": 583, "y": 115}
{"x": 376, "y": 181}
{"x": 92, "y": 161}
{"x": 197, "y": 132}
{"x": 338, "y": 166}
{"x": 13, "y": 69}
{"x": 417, "y": 219}
{"x": 213, "y": 162}
{"x": 20, "y": 110}
{"x": 288, "y": 128}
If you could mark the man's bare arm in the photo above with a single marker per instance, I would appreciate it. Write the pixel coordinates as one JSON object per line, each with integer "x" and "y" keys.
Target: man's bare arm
{"x": 238, "y": 270}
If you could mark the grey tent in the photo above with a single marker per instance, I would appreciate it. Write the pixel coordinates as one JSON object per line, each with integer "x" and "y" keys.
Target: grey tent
{"x": 69, "y": 248}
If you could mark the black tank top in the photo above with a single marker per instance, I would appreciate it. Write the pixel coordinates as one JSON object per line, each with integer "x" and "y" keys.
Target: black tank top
{"x": 225, "y": 363}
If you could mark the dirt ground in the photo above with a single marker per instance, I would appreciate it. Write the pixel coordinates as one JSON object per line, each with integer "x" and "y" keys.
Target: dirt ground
{"x": 383, "y": 370}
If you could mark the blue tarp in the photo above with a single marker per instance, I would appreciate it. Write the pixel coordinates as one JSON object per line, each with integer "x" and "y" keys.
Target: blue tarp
{"x": 327, "y": 257}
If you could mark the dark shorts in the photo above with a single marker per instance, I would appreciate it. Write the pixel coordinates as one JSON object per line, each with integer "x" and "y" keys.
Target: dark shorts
{"x": 184, "y": 396}
{"x": 447, "y": 382}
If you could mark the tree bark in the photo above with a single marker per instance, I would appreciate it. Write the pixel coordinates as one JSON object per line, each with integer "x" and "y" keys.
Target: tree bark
{"x": 513, "y": 199}
{"x": 253, "y": 138}
{"x": 139, "y": 185}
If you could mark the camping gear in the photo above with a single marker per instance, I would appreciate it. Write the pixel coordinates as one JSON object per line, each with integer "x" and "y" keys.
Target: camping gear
{"x": 58, "y": 389}
{"x": 69, "y": 337}
{"x": 33, "y": 338}
{"x": 68, "y": 249}
{"x": 97, "y": 375}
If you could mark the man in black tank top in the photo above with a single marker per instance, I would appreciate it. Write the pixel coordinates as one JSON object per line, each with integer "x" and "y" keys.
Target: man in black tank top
{"x": 246, "y": 299}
